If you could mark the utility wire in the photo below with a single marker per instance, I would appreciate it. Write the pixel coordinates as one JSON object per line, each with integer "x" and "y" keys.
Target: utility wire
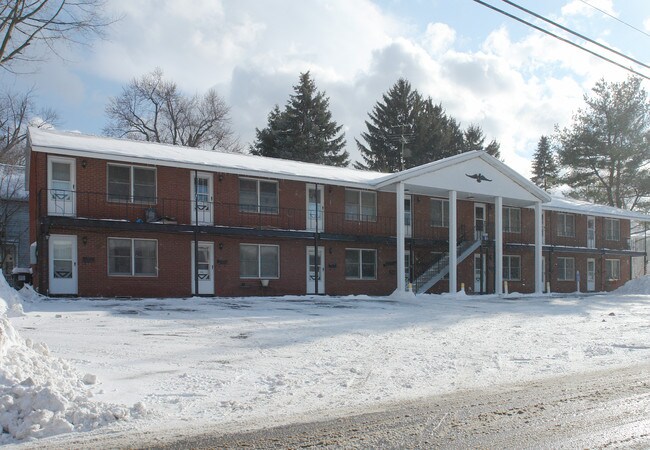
{"x": 518, "y": 19}
{"x": 582, "y": 36}
{"x": 615, "y": 18}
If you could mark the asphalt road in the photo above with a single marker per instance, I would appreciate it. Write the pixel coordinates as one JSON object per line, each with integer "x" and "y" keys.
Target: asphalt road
{"x": 607, "y": 409}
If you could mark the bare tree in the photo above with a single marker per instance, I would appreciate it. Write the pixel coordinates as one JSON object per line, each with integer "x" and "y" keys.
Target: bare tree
{"x": 14, "y": 226}
{"x": 151, "y": 108}
{"x": 24, "y": 23}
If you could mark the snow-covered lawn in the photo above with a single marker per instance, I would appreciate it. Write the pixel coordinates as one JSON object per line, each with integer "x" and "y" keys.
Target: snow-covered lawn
{"x": 265, "y": 361}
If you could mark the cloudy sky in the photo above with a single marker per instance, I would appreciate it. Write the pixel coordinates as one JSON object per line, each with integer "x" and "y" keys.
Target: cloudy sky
{"x": 483, "y": 67}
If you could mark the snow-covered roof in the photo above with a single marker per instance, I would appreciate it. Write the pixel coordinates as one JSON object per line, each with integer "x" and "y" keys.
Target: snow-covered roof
{"x": 12, "y": 182}
{"x": 565, "y": 204}
{"x": 76, "y": 144}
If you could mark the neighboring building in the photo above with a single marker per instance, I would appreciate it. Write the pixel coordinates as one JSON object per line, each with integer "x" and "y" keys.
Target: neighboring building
{"x": 128, "y": 218}
{"x": 14, "y": 220}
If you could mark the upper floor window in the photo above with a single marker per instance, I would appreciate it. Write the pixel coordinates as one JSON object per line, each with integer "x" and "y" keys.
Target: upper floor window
{"x": 511, "y": 268}
{"x": 360, "y": 264}
{"x": 131, "y": 184}
{"x": 566, "y": 225}
{"x": 439, "y": 212}
{"x": 612, "y": 229}
{"x": 566, "y": 269}
{"x": 258, "y": 196}
{"x": 360, "y": 205}
{"x": 613, "y": 269}
{"x": 132, "y": 257}
{"x": 511, "y": 220}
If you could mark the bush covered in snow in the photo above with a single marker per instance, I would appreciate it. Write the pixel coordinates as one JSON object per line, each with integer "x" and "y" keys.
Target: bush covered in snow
{"x": 41, "y": 395}
{"x": 638, "y": 286}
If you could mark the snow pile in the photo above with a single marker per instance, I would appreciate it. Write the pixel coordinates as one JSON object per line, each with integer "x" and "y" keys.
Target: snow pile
{"x": 41, "y": 395}
{"x": 10, "y": 301}
{"x": 638, "y": 286}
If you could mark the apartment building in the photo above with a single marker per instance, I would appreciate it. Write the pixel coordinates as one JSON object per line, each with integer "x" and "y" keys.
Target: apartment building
{"x": 111, "y": 217}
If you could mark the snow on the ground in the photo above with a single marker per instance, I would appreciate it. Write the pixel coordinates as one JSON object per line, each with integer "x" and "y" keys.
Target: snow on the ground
{"x": 266, "y": 360}
{"x": 42, "y": 395}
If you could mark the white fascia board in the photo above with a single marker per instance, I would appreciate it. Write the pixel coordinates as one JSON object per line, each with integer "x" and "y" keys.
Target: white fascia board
{"x": 623, "y": 214}
{"x": 134, "y": 159}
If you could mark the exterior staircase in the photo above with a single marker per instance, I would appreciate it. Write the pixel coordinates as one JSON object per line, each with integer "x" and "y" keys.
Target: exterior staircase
{"x": 440, "y": 268}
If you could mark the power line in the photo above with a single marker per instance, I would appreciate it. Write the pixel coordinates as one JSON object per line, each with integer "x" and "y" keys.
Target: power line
{"x": 615, "y": 18}
{"x": 518, "y": 19}
{"x": 582, "y": 36}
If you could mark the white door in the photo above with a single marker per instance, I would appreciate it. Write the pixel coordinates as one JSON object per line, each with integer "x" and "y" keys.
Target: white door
{"x": 206, "y": 268}
{"x": 311, "y": 271}
{"x": 408, "y": 226}
{"x": 315, "y": 208}
{"x": 479, "y": 274}
{"x": 591, "y": 232}
{"x": 479, "y": 220}
{"x": 63, "y": 264}
{"x": 61, "y": 186}
{"x": 591, "y": 274}
{"x": 202, "y": 199}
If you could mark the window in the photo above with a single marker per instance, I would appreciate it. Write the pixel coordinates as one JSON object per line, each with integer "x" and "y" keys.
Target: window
{"x": 612, "y": 229}
{"x": 439, "y": 213}
{"x": 131, "y": 184}
{"x": 566, "y": 269}
{"x": 613, "y": 269}
{"x": 360, "y": 264}
{"x": 511, "y": 220}
{"x": 566, "y": 225}
{"x": 259, "y": 261}
{"x": 258, "y": 196}
{"x": 511, "y": 268}
{"x": 132, "y": 257}
{"x": 360, "y": 205}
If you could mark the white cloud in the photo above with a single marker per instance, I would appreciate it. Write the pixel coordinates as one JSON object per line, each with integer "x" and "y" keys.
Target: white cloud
{"x": 438, "y": 37}
{"x": 578, "y": 8}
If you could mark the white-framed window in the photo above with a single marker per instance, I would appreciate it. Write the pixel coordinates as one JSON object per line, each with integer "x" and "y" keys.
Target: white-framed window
{"x": 613, "y": 269}
{"x": 566, "y": 269}
{"x": 511, "y": 267}
{"x": 135, "y": 184}
{"x": 133, "y": 257}
{"x": 360, "y": 264}
{"x": 360, "y": 205}
{"x": 511, "y": 220}
{"x": 439, "y": 213}
{"x": 259, "y": 261}
{"x": 612, "y": 230}
{"x": 566, "y": 225}
{"x": 258, "y": 196}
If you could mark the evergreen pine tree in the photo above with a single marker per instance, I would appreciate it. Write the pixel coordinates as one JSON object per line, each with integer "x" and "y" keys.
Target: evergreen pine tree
{"x": 304, "y": 131}
{"x": 545, "y": 170}
{"x": 392, "y": 121}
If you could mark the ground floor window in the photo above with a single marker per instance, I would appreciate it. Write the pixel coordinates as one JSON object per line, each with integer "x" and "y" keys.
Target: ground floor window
{"x": 259, "y": 261}
{"x": 132, "y": 257}
{"x": 613, "y": 269}
{"x": 512, "y": 268}
{"x": 566, "y": 269}
{"x": 360, "y": 264}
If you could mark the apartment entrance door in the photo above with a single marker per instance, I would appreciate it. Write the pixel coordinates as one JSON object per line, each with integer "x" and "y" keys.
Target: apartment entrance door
{"x": 63, "y": 264}
{"x": 591, "y": 274}
{"x": 480, "y": 220}
{"x": 206, "y": 268}
{"x": 312, "y": 272}
{"x": 315, "y": 208}
{"x": 61, "y": 186}
{"x": 479, "y": 274}
{"x": 202, "y": 199}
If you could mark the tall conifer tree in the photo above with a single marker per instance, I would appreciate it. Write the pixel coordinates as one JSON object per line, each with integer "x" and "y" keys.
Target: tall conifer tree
{"x": 545, "y": 170}
{"x": 304, "y": 131}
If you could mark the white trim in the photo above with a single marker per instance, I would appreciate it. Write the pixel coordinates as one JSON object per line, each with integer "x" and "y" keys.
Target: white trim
{"x": 401, "y": 232}
{"x": 453, "y": 237}
{"x": 498, "y": 246}
{"x": 539, "y": 239}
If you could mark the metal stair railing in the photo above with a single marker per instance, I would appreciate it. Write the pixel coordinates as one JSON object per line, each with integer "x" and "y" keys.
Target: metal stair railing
{"x": 440, "y": 268}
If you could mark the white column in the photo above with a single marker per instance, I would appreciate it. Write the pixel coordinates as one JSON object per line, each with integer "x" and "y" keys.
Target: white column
{"x": 453, "y": 237}
{"x": 498, "y": 246}
{"x": 539, "y": 267}
{"x": 401, "y": 273}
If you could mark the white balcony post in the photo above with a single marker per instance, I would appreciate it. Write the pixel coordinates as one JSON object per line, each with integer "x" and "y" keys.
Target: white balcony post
{"x": 401, "y": 273}
{"x": 498, "y": 246}
{"x": 539, "y": 267}
{"x": 453, "y": 237}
